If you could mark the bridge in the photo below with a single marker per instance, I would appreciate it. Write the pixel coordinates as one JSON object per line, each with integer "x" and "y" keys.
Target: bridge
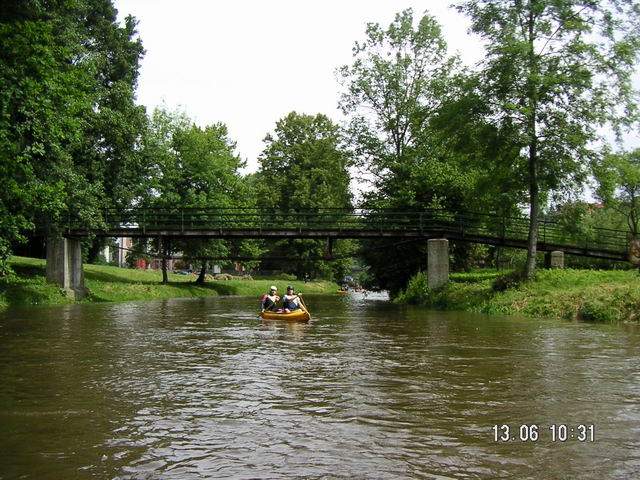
{"x": 356, "y": 224}
{"x": 433, "y": 225}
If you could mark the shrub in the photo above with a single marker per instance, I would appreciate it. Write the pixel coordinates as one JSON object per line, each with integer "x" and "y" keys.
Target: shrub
{"x": 597, "y": 311}
{"x": 508, "y": 281}
{"x": 417, "y": 290}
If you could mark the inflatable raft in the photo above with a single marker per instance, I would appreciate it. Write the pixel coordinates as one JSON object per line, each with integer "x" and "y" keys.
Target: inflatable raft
{"x": 300, "y": 315}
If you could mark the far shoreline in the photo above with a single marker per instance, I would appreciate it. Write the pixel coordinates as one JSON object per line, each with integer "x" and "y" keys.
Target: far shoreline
{"x": 28, "y": 287}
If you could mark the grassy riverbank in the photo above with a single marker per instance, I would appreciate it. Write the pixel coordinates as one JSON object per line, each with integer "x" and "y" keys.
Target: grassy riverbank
{"x": 593, "y": 295}
{"x": 28, "y": 285}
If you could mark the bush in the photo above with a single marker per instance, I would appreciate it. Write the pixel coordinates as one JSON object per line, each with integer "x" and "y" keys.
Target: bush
{"x": 417, "y": 290}
{"x": 222, "y": 276}
{"x": 597, "y": 311}
{"x": 508, "y": 281}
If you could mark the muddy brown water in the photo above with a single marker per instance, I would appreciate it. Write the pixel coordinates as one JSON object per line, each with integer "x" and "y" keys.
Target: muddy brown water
{"x": 201, "y": 388}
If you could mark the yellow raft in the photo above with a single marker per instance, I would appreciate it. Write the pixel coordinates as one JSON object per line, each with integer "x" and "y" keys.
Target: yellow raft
{"x": 300, "y": 315}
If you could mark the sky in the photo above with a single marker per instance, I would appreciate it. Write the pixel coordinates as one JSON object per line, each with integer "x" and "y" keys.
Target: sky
{"x": 247, "y": 63}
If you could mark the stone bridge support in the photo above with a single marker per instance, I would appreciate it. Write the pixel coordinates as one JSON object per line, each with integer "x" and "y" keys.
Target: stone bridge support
{"x": 437, "y": 262}
{"x": 554, "y": 259}
{"x": 64, "y": 265}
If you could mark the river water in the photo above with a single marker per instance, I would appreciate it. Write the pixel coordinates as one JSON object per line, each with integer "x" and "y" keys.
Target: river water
{"x": 201, "y": 388}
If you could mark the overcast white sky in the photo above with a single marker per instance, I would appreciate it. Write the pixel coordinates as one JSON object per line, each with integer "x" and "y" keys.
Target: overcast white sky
{"x": 248, "y": 63}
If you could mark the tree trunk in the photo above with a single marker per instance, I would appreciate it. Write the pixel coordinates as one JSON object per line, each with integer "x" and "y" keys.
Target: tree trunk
{"x": 165, "y": 276}
{"x": 634, "y": 216}
{"x": 203, "y": 272}
{"x": 534, "y": 194}
{"x": 532, "y": 240}
{"x": 165, "y": 252}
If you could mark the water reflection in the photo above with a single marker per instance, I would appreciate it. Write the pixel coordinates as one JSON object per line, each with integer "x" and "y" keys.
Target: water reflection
{"x": 203, "y": 388}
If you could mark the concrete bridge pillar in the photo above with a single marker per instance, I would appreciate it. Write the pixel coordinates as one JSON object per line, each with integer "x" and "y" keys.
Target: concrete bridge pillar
{"x": 554, "y": 259}
{"x": 64, "y": 265}
{"x": 437, "y": 262}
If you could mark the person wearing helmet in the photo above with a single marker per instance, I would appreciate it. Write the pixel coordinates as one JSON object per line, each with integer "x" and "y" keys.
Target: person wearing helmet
{"x": 290, "y": 301}
{"x": 270, "y": 299}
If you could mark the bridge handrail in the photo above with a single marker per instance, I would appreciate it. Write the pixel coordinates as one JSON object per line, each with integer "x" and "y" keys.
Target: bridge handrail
{"x": 467, "y": 223}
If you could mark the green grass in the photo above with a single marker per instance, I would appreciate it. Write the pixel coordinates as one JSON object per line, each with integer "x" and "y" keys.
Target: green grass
{"x": 27, "y": 286}
{"x": 476, "y": 275}
{"x": 591, "y": 295}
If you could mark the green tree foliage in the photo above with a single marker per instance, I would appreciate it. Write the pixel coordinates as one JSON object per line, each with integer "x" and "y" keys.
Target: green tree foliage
{"x": 588, "y": 224}
{"x": 304, "y": 168}
{"x": 194, "y": 168}
{"x": 190, "y": 166}
{"x": 68, "y": 122}
{"x": 304, "y": 165}
{"x": 396, "y": 92}
{"x": 394, "y": 87}
{"x": 553, "y": 73}
{"x": 618, "y": 177}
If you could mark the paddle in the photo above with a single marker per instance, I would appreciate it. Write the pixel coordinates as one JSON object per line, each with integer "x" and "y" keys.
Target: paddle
{"x": 304, "y": 305}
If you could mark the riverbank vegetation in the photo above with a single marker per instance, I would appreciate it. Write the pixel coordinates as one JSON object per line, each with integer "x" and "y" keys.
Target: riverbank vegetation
{"x": 27, "y": 286}
{"x": 590, "y": 295}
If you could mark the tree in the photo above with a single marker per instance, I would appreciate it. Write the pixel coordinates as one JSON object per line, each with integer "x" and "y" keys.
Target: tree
{"x": 209, "y": 179}
{"x": 192, "y": 167}
{"x": 304, "y": 165}
{"x": 400, "y": 93}
{"x": 109, "y": 153}
{"x": 396, "y": 84}
{"x": 553, "y": 73}
{"x": 618, "y": 178}
{"x": 304, "y": 168}
{"x": 68, "y": 72}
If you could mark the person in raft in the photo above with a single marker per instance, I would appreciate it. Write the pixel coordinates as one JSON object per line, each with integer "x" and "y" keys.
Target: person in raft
{"x": 290, "y": 301}
{"x": 270, "y": 299}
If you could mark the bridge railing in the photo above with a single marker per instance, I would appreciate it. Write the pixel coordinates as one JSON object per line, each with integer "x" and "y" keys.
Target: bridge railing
{"x": 456, "y": 225}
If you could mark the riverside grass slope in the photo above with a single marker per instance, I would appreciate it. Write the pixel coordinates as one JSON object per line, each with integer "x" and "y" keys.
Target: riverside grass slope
{"x": 590, "y": 295}
{"x": 28, "y": 286}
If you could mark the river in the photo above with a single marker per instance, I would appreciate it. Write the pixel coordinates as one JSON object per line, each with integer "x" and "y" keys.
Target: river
{"x": 200, "y": 388}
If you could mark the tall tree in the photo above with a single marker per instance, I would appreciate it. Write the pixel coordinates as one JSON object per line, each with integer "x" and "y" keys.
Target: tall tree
{"x": 554, "y": 72}
{"x": 398, "y": 92}
{"x": 618, "y": 177}
{"x": 304, "y": 165}
{"x": 109, "y": 154}
{"x": 395, "y": 85}
{"x": 192, "y": 167}
{"x": 68, "y": 122}
{"x": 304, "y": 168}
